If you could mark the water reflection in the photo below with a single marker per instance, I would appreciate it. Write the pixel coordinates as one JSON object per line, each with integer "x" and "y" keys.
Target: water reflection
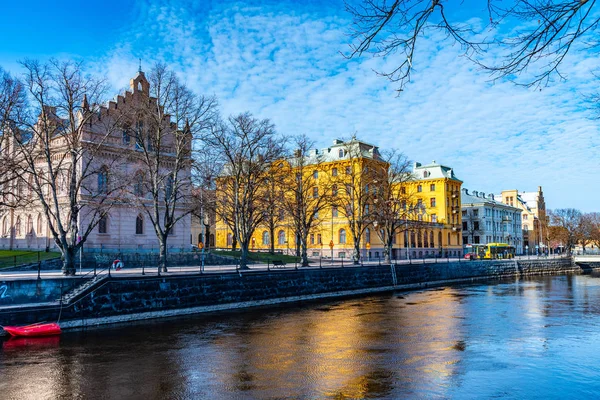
{"x": 514, "y": 339}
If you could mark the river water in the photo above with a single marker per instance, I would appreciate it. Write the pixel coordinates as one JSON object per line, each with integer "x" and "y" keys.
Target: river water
{"x": 532, "y": 338}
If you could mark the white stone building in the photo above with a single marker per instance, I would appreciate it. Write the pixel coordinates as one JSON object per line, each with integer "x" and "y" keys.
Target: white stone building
{"x": 487, "y": 220}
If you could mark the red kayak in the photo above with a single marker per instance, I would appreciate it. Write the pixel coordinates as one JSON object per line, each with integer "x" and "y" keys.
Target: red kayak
{"x": 33, "y": 330}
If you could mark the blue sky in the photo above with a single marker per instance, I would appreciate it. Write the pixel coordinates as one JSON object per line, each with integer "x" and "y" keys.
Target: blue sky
{"x": 280, "y": 60}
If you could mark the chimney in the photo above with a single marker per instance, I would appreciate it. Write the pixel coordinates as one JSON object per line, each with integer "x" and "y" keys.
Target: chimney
{"x": 465, "y": 191}
{"x": 475, "y": 193}
{"x": 482, "y": 195}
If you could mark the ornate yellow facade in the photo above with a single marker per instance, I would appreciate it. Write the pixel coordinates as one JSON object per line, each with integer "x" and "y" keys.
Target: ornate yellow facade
{"x": 434, "y": 187}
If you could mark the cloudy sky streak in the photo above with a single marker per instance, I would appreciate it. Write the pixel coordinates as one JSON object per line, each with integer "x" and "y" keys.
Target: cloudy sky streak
{"x": 281, "y": 60}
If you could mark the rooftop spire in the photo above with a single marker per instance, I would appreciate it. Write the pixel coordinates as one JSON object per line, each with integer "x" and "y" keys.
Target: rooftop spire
{"x": 84, "y": 104}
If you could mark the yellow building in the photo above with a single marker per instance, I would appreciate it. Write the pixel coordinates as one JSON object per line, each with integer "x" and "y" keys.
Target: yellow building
{"x": 435, "y": 189}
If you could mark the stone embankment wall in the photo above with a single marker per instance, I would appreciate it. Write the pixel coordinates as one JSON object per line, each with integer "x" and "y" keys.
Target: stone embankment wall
{"x": 124, "y": 299}
{"x": 27, "y": 291}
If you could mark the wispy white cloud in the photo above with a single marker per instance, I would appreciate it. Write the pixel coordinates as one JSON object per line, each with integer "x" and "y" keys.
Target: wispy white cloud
{"x": 281, "y": 61}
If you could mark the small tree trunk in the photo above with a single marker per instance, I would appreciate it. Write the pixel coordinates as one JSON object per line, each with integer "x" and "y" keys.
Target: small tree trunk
{"x": 233, "y": 243}
{"x": 272, "y": 237}
{"x": 162, "y": 256}
{"x": 68, "y": 261}
{"x": 244, "y": 256}
{"x": 356, "y": 255}
{"x": 304, "y": 253}
{"x": 387, "y": 251}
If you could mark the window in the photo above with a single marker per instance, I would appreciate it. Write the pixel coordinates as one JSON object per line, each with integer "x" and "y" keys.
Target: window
{"x": 29, "y": 225}
{"x": 464, "y": 213}
{"x": 419, "y": 203}
{"x": 334, "y": 172}
{"x": 368, "y": 235}
{"x": 476, "y": 225}
{"x": 449, "y": 242}
{"x": 432, "y": 202}
{"x": 403, "y": 190}
{"x": 465, "y": 226}
{"x": 229, "y": 239}
{"x": 342, "y": 236}
{"x": 334, "y": 190}
{"x": 419, "y": 188}
{"x": 366, "y": 209}
{"x": 139, "y": 225}
{"x": 475, "y": 213}
{"x": 434, "y": 219}
{"x": 413, "y": 240}
{"x": 334, "y": 211}
{"x": 18, "y": 227}
{"x": 319, "y": 240}
{"x": 169, "y": 188}
{"x": 265, "y": 238}
{"x": 525, "y": 217}
{"x": 39, "y": 224}
{"x": 103, "y": 181}
{"x": 341, "y": 153}
{"x": 348, "y": 170}
{"x": 312, "y": 238}
{"x": 139, "y": 135}
{"x": 431, "y": 243}
{"x": 432, "y": 187}
{"x": 102, "y": 224}
{"x": 315, "y": 174}
{"x": 126, "y": 137}
{"x": 315, "y": 192}
{"x": 138, "y": 188}
{"x": 426, "y": 174}
{"x": 281, "y": 237}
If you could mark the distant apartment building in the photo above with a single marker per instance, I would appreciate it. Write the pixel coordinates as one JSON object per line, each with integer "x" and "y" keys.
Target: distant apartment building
{"x": 485, "y": 219}
{"x": 533, "y": 216}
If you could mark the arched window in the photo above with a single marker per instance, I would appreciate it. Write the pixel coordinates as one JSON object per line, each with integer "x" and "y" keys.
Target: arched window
{"x": 342, "y": 236}
{"x": 449, "y": 243}
{"x": 103, "y": 180}
{"x": 139, "y": 225}
{"x": 265, "y": 238}
{"x": 138, "y": 184}
{"x": 281, "y": 237}
{"x": 29, "y": 225}
{"x": 39, "y": 224}
{"x": 440, "y": 239}
{"x": 229, "y": 239}
{"x": 169, "y": 188}
{"x": 431, "y": 242}
{"x": 341, "y": 153}
{"x": 412, "y": 239}
{"x": 18, "y": 226}
{"x": 103, "y": 224}
{"x": 419, "y": 241}
{"x": 425, "y": 239}
{"x": 140, "y": 87}
{"x": 368, "y": 235}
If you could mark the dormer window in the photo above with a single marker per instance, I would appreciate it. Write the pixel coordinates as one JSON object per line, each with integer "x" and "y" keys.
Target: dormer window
{"x": 426, "y": 174}
{"x": 341, "y": 153}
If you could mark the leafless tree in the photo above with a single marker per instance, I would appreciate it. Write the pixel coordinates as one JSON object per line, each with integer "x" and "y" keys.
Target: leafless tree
{"x": 274, "y": 201}
{"x": 249, "y": 148}
{"x": 595, "y": 231}
{"x": 585, "y": 230}
{"x": 393, "y": 209}
{"x": 12, "y": 103}
{"x": 165, "y": 127}
{"x": 308, "y": 191}
{"x": 357, "y": 185}
{"x": 545, "y": 31}
{"x": 568, "y": 221}
{"x": 60, "y": 139}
